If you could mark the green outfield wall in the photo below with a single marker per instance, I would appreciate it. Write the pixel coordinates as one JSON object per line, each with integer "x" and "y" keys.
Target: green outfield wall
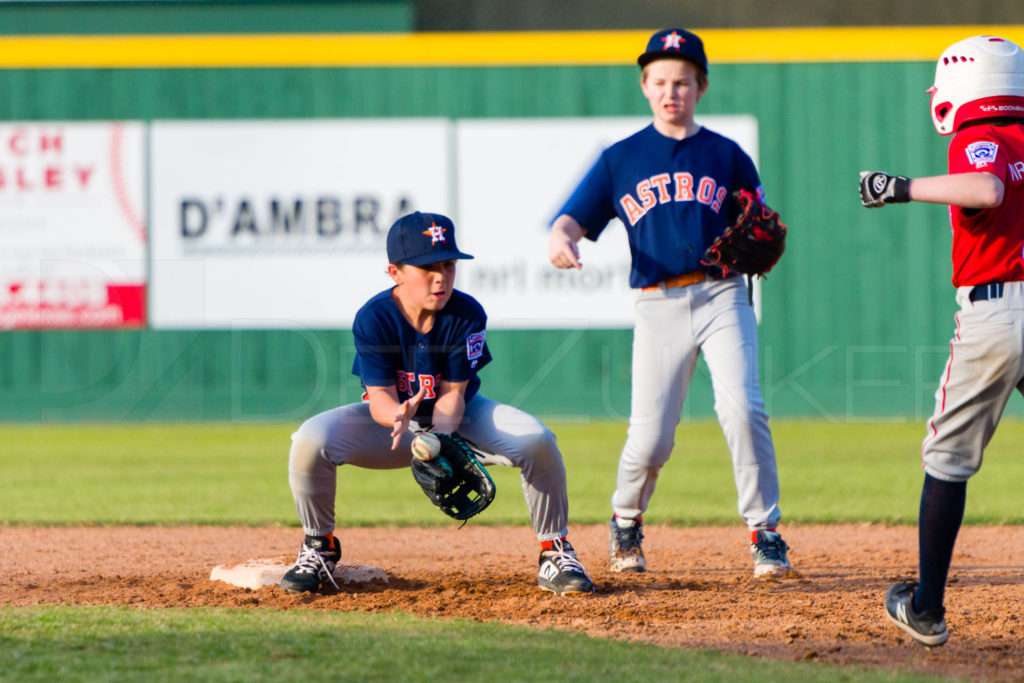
{"x": 856, "y": 317}
{"x": 119, "y": 17}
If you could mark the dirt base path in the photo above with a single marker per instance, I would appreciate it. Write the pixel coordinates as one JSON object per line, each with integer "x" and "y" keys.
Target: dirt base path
{"x": 699, "y": 592}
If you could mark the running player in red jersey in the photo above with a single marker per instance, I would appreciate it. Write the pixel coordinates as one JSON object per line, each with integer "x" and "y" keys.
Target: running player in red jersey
{"x": 978, "y": 97}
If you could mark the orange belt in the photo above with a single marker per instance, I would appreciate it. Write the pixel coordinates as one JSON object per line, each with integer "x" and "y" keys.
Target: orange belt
{"x": 691, "y": 278}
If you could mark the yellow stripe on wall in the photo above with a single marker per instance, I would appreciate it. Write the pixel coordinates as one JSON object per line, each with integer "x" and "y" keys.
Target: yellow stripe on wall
{"x": 723, "y": 46}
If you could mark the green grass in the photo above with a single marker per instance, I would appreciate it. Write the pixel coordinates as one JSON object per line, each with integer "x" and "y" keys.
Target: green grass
{"x": 237, "y": 474}
{"x": 128, "y": 644}
{"x": 230, "y": 474}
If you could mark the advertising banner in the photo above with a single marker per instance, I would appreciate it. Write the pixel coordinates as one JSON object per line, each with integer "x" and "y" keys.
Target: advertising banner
{"x": 72, "y": 225}
{"x": 282, "y": 224}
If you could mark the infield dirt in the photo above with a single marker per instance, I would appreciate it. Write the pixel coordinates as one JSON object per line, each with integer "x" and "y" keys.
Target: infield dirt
{"x": 699, "y": 592}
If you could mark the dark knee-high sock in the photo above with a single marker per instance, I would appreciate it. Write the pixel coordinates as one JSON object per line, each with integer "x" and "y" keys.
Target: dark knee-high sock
{"x": 942, "y": 511}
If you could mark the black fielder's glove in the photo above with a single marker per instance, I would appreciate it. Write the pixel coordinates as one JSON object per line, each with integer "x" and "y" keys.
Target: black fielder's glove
{"x": 878, "y": 189}
{"x": 454, "y": 480}
{"x": 755, "y": 241}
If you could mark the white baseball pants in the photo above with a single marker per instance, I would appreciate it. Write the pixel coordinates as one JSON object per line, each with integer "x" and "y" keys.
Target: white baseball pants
{"x": 673, "y": 327}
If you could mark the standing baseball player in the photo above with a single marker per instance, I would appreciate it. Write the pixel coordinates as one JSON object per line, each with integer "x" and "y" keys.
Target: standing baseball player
{"x": 978, "y": 97}
{"x": 419, "y": 346}
{"x": 670, "y": 184}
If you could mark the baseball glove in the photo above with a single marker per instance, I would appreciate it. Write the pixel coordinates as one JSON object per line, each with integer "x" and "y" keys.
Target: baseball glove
{"x": 454, "y": 480}
{"x": 755, "y": 241}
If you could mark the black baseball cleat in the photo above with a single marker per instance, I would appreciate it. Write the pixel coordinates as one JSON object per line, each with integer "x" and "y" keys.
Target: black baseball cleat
{"x": 561, "y": 572}
{"x": 315, "y": 565}
{"x": 769, "y": 551}
{"x": 927, "y": 627}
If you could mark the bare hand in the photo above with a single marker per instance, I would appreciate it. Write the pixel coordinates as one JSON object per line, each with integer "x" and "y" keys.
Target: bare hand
{"x": 563, "y": 252}
{"x": 405, "y": 412}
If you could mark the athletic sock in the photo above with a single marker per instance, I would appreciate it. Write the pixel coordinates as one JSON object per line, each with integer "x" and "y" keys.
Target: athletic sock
{"x": 625, "y": 522}
{"x": 942, "y": 511}
{"x": 550, "y": 545}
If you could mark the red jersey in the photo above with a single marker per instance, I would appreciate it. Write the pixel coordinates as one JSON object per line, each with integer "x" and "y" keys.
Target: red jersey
{"x": 988, "y": 244}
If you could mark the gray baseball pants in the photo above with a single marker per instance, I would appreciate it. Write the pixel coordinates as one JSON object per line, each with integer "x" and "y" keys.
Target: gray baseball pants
{"x": 349, "y": 436}
{"x": 673, "y": 327}
{"x": 985, "y": 365}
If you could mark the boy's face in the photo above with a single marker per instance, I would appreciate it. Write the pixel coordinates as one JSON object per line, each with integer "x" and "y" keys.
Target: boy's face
{"x": 672, "y": 88}
{"x": 426, "y": 287}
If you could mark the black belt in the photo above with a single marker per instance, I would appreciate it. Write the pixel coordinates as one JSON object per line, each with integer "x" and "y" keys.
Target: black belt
{"x": 993, "y": 290}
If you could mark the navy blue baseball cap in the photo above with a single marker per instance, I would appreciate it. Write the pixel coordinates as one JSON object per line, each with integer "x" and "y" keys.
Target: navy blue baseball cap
{"x": 419, "y": 239}
{"x": 674, "y": 43}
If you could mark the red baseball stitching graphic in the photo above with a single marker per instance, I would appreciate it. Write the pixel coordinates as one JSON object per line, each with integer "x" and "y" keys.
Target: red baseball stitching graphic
{"x": 120, "y": 191}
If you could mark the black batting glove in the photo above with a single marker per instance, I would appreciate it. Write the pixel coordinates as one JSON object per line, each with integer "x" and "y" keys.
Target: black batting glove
{"x": 878, "y": 189}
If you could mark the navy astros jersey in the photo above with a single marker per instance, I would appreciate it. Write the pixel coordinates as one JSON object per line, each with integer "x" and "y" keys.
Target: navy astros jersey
{"x": 670, "y": 194}
{"x": 389, "y": 351}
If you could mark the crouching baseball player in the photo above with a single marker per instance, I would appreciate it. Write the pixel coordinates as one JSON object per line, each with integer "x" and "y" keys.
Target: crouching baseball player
{"x": 978, "y": 97}
{"x": 673, "y": 186}
{"x": 419, "y": 346}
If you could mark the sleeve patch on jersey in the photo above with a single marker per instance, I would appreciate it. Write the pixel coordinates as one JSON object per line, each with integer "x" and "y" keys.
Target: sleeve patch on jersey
{"x": 981, "y": 153}
{"x": 475, "y": 345}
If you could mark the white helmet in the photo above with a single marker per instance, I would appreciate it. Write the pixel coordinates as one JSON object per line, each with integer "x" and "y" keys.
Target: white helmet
{"x": 977, "y": 78}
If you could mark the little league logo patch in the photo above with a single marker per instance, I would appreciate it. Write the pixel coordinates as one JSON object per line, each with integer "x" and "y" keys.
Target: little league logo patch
{"x": 435, "y": 233}
{"x": 475, "y": 345}
{"x": 981, "y": 153}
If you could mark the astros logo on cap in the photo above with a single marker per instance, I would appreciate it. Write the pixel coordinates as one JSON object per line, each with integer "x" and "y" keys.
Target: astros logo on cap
{"x": 435, "y": 233}
{"x": 672, "y": 40}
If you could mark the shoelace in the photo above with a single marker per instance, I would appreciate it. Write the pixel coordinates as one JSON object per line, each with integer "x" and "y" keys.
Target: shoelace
{"x": 565, "y": 558}
{"x": 629, "y": 537}
{"x": 310, "y": 561}
{"x": 772, "y": 550}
